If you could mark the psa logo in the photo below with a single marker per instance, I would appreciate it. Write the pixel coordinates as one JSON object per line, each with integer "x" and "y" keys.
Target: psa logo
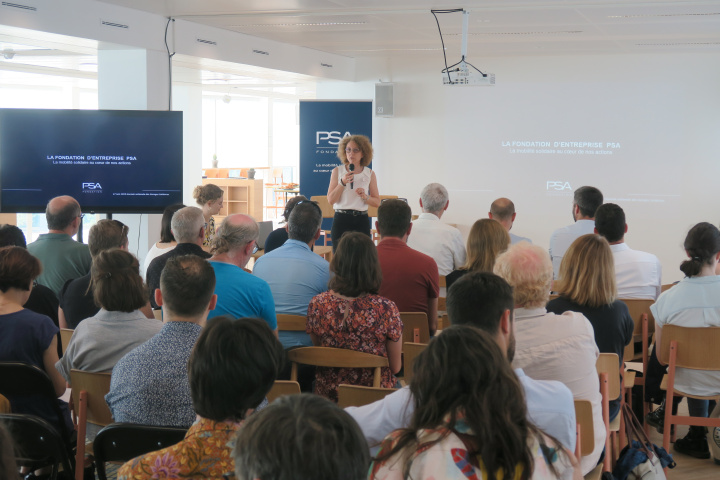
{"x": 91, "y": 186}
{"x": 559, "y": 186}
{"x": 331, "y": 138}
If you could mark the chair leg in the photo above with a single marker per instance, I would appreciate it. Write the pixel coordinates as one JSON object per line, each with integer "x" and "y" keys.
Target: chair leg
{"x": 80, "y": 449}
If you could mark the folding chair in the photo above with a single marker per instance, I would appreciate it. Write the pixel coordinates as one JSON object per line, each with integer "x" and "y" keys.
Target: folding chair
{"x": 411, "y": 351}
{"x": 291, "y": 323}
{"x": 608, "y": 368}
{"x": 65, "y": 336}
{"x": 644, "y": 327}
{"x": 120, "y": 442}
{"x": 357, "y": 396}
{"x": 336, "y": 358}
{"x": 88, "y": 393}
{"x": 281, "y": 388}
{"x": 415, "y": 327}
{"x": 691, "y": 348}
{"x": 586, "y": 436}
{"x": 37, "y": 443}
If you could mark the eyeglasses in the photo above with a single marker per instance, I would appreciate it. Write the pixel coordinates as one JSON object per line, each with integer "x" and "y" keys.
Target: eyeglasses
{"x": 401, "y": 199}
{"x": 314, "y": 203}
{"x": 352, "y": 150}
{"x": 124, "y": 228}
{"x": 81, "y": 216}
{"x": 255, "y": 247}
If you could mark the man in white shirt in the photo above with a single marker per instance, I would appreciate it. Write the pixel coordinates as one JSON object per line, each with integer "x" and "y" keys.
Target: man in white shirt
{"x": 585, "y": 201}
{"x": 433, "y": 237}
{"x": 638, "y": 273}
{"x": 550, "y": 346}
{"x": 485, "y": 301}
{"x": 503, "y": 211}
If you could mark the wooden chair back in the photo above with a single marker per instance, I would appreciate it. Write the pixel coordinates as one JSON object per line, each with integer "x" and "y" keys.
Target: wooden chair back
{"x": 5, "y": 405}
{"x": 281, "y": 388}
{"x": 442, "y": 281}
{"x": 327, "y": 210}
{"x": 415, "y": 327}
{"x": 291, "y": 323}
{"x": 697, "y": 347}
{"x": 444, "y": 321}
{"x": 638, "y": 308}
{"x": 88, "y": 392}
{"x": 442, "y": 304}
{"x": 410, "y": 352}
{"x": 158, "y": 314}
{"x": 584, "y": 418}
{"x": 372, "y": 211}
{"x": 666, "y": 287}
{"x": 65, "y": 336}
{"x": 610, "y": 363}
{"x": 357, "y": 396}
{"x": 336, "y": 358}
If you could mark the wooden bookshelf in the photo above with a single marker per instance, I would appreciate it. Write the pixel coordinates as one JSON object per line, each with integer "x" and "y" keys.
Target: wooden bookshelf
{"x": 241, "y": 196}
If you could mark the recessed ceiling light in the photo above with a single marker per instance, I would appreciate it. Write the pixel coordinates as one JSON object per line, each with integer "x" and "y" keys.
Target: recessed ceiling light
{"x": 665, "y": 15}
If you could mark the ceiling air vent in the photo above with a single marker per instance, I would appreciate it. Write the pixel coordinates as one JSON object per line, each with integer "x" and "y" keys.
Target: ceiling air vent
{"x": 206, "y": 42}
{"x": 20, "y": 6}
{"x": 107, "y": 23}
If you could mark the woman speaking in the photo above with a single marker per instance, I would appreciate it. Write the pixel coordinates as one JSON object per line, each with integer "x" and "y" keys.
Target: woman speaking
{"x": 353, "y": 187}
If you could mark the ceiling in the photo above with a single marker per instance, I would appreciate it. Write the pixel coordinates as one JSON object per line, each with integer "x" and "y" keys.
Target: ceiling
{"x": 362, "y": 28}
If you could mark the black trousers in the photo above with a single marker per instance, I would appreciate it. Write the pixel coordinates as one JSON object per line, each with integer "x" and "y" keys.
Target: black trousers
{"x": 344, "y": 222}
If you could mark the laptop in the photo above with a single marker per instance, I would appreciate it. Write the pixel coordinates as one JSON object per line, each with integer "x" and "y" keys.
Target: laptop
{"x": 265, "y": 229}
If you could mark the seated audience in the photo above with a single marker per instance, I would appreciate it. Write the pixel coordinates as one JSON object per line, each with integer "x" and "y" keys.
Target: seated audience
{"x": 279, "y": 236}
{"x": 62, "y": 257}
{"x": 694, "y": 302}
{"x": 77, "y": 301}
{"x": 409, "y": 278}
{"x": 638, "y": 274}
{"x": 470, "y": 419}
{"x": 587, "y": 286}
{"x": 487, "y": 239}
{"x": 484, "y": 301}
{"x": 167, "y": 239}
{"x": 550, "y": 346}
{"x": 301, "y": 437}
{"x": 26, "y": 336}
{"x": 209, "y": 198}
{"x": 433, "y": 237}
{"x": 149, "y": 385}
{"x": 294, "y": 273}
{"x": 503, "y": 210}
{"x": 352, "y": 315}
{"x": 100, "y": 341}
{"x": 188, "y": 227}
{"x": 239, "y": 293}
{"x": 232, "y": 367}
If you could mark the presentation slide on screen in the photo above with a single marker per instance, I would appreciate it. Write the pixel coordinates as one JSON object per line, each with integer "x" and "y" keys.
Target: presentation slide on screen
{"x": 538, "y": 143}
{"x": 110, "y": 161}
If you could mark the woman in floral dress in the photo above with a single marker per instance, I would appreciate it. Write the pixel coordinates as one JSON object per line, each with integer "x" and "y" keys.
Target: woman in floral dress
{"x": 352, "y": 315}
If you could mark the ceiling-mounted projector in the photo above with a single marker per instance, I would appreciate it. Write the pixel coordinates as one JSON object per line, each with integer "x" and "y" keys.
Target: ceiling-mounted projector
{"x": 463, "y": 73}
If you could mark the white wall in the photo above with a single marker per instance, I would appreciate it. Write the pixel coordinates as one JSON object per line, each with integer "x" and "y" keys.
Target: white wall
{"x": 662, "y": 110}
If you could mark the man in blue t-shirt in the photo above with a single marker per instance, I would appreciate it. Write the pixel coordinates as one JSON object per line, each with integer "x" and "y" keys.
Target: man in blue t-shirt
{"x": 239, "y": 293}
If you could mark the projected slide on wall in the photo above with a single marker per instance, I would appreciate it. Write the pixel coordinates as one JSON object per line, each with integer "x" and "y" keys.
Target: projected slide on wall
{"x": 110, "y": 161}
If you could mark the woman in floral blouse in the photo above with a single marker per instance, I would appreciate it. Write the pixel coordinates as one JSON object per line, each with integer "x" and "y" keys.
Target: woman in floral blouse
{"x": 231, "y": 369}
{"x": 352, "y": 315}
{"x": 470, "y": 419}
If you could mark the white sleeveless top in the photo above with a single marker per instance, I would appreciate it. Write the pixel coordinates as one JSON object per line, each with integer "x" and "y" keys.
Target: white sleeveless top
{"x": 350, "y": 200}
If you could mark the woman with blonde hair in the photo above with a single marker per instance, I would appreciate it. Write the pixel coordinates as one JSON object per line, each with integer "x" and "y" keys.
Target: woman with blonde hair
{"x": 209, "y": 198}
{"x": 487, "y": 239}
{"x": 587, "y": 285}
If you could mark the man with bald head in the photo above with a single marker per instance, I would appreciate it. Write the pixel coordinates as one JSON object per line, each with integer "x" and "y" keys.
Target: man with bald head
{"x": 239, "y": 293}
{"x": 503, "y": 211}
{"x": 62, "y": 257}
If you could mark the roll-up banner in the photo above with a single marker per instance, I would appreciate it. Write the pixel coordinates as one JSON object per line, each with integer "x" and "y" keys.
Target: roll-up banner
{"x": 323, "y": 123}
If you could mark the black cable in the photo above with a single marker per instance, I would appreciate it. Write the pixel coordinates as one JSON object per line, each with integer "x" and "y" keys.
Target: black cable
{"x": 441, "y": 36}
{"x": 170, "y": 55}
{"x": 481, "y": 73}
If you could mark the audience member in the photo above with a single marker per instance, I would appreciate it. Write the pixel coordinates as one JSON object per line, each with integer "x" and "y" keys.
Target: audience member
{"x": 433, "y": 237}
{"x": 296, "y": 274}
{"x": 209, "y": 198}
{"x": 503, "y": 210}
{"x": 694, "y": 302}
{"x": 42, "y": 300}
{"x": 353, "y": 316}
{"x": 26, "y": 336}
{"x": 77, "y": 301}
{"x": 239, "y": 293}
{"x": 279, "y": 236}
{"x": 638, "y": 273}
{"x": 470, "y": 419}
{"x": 167, "y": 239}
{"x": 487, "y": 239}
{"x": 101, "y": 340}
{"x": 409, "y": 278}
{"x": 231, "y": 368}
{"x": 585, "y": 201}
{"x": 587, "y": 286}
{"x": 188, "y": 227}
{"x": 550, "y": 346}
{"x": 484, "y": 301}
{"x": 149, "y": 385}
{"x": 62, "y": 257}
{"x": 301, "y": 437}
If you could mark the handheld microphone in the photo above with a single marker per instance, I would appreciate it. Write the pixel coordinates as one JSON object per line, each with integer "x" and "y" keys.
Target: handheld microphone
{"x": 351, "y": 167}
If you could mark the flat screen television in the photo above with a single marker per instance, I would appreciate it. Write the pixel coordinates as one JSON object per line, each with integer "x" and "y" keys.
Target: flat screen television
{"x": 111, "y": 161}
